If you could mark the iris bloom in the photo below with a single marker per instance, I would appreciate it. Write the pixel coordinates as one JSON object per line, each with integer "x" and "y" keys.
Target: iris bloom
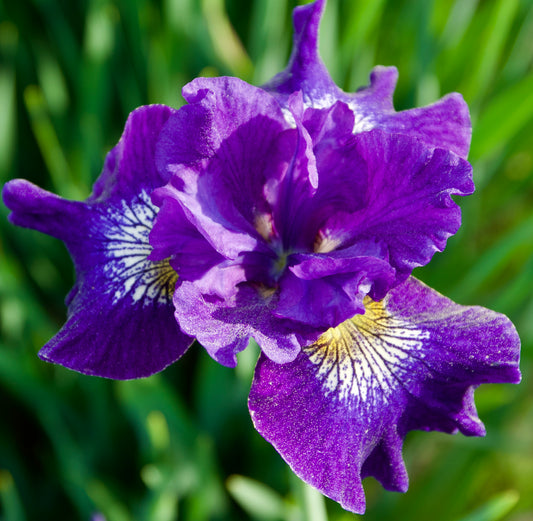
{"x": 292, "y": 214}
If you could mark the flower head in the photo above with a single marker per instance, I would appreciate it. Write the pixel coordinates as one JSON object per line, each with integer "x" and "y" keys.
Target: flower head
{"x": 296, "y": 218}
{"x": 292, "y": 214}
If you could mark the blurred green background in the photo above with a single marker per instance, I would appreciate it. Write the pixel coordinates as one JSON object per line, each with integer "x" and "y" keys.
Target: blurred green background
{"x": 180, "y": 445}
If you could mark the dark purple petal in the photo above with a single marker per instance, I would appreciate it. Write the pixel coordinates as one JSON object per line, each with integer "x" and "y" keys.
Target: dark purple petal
{"x": 305, "y": 71}
{"x": 342, "y": 176}
{"x": 407, "y": 204}
{"x": 225, "y": 328}
{"x": 130, "y": 166}
{"x": 123, "y": 338}
{"x": 120, "y": 314}
{"x": 341, "y": 410}
{"x": 288, "y": 189}
{"x": 33, "y": 207}
{"x": 323, "y": 290}
{"x": 445, "y": 124}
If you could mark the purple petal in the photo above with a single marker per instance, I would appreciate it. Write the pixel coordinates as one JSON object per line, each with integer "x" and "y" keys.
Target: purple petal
{"x": 341, "y": 410}
{"x": 445, "y": 124}
{"x": 218, "y": 107}
{"x": 32, "y": 207}
{"x": 130, "y": 166}
{"x": 225, "y": 329}
{"x": 288, "y": 189}
{"x": 407, "y": 204}
{"x": 323, "y": 290}
{"x": 120, "y": 314}
{"x": 174, "y": 236}
{"x": 248, "y": 140}
{"x": 342, "y": 176}
{"x": 305, "y": 71}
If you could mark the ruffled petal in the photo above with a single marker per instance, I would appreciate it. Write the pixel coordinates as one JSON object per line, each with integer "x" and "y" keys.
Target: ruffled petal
{"x": 225, "y": 328}
{"x": 120, "y": 314}
{"x": 341, "y": 410}
{"x": 248, "y": 142}
{"x": 323, "y": 290}
{"x": 445, "y": 124}
{"x": 407, "y": 204}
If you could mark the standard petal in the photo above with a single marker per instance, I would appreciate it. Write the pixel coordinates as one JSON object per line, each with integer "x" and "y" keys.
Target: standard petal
{"x": 341, "y": 410}
{"x": 305, "y": 71}
{"x": 120, "y": 314}
{"x": 407, "y": 204}
{"x": 218, "y": 107}
{"x": 445, "y": 124}
{"x": 247, "y": 142}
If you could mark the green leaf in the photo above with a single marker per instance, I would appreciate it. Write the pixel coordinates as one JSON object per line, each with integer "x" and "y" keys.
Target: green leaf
{"x": 259, "y": 501}
{"x": 496, "y": 508}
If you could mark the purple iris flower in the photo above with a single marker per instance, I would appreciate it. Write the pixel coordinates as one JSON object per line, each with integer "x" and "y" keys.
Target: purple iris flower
{"x": 292, "y": 214}
{"x": 296, "y": 218}
{"x": 301, "y": 199}
{"x": 309, "y": 208}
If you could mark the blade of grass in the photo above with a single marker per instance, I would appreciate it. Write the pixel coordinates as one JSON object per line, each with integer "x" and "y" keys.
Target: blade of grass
{"x": 49, "y": 146}
{"x": 489, "y": 50}
{"x": 226, "y": 43}
{"x": 493, "y": 259}
{"x": 503, "y": 118}
{"x": 9, "y": 499}
{"x": 256, "y": 499}
{"x": 8, "y": 116}
{"x": 496, "y": 508}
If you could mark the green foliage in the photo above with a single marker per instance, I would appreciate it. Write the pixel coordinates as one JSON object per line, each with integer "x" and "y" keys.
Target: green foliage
{"x": 180, "y": 445}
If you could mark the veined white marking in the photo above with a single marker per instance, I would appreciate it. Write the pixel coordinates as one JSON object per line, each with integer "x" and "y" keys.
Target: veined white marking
{"x": 125, "y": 230}
{"x": 366, "y": 358}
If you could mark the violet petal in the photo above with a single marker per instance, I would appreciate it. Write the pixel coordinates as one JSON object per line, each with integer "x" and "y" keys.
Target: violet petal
{"x": 445, "y": 124}
{"x": 120, "y": 316}
{"x": 341, "y": 410}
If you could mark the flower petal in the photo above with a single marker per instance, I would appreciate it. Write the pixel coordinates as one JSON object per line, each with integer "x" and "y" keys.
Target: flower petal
{"x": 248, "y": 140}
{"x": 225, "y": 328}
{"x": 445, "y": 124}
{"x": 341, "y": 410}
{"x": 407, "y": 204}
{"x": 120, "y": 314}
{"x": 305, "y": 71}
{"x": 323, "y": 290}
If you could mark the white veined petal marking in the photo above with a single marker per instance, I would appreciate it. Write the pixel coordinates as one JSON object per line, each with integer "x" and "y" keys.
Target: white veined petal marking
{"x": 124, "y": 231}
{"x": 366, "y": 358}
